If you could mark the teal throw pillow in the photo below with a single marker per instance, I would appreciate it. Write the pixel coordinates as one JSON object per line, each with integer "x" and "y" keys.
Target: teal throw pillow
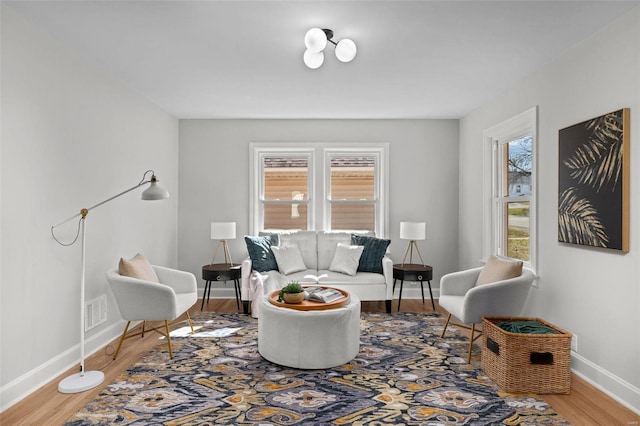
{"x": 259, "y": 248}
{"x": 374, "y": 251}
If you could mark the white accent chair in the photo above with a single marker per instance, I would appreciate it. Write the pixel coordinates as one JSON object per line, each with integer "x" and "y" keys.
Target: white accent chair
{"x": 468, "y": 302}
{"x": 140, "y": 300}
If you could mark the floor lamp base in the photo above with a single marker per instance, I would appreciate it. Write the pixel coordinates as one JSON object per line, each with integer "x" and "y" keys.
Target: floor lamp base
{"x": 81, "y": 382}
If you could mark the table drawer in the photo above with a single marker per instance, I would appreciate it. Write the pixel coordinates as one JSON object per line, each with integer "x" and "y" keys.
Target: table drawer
{"x": 218, "y": 273}
{"x": 215, "y": 276}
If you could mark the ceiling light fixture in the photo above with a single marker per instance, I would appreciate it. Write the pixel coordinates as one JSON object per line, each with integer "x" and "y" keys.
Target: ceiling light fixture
{"x": 316, "y": 40}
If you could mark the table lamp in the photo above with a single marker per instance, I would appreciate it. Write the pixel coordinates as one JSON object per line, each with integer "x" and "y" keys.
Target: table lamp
{"x": 223, "y": 231}
{"x": 412, "y": 231}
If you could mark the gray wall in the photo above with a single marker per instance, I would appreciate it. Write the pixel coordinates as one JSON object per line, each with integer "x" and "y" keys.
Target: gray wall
{"x": 214, "y": 180}
{"x": 593, "y": 293}
{"x": 71, "y": 138}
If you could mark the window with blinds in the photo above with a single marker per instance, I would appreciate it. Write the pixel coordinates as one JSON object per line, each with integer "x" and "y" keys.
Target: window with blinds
{"x": 285, "y": 192}
{"x": 352, "y": 196}
{"x": 319, "y": 186}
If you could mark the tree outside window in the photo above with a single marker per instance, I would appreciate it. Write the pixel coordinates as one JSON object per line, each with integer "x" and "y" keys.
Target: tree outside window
{"x": 509, "y": 186}
{"x": 516, "y": 184}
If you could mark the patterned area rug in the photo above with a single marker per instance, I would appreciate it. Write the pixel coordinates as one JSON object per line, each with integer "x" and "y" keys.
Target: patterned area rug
{"x": 405, "y": 374}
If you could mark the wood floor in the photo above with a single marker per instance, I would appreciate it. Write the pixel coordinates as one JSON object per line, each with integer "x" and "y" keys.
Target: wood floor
{"x": 585, "y": 406}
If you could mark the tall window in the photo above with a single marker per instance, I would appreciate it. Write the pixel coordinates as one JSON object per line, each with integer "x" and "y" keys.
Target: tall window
{"x": 350, "y": 181}
{"x": 352, "y": 195}
{"x": 509, "y": 185}
{"x": 513, "y": 163}
{"x": 285, "y": 191}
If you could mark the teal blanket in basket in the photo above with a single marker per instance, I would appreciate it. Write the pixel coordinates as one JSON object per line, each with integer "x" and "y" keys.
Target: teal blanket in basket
{"x": 526, "y": 327}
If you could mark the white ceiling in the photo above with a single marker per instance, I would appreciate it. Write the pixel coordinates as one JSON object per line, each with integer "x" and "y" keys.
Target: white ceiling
{"x": 243, "y": 59}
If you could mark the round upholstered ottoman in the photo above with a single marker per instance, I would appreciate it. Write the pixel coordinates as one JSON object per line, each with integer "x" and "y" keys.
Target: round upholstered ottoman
{"x": 309, "y": 339}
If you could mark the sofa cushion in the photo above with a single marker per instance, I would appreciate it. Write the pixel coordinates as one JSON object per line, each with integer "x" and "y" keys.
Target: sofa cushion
{"x": 498, "y": 270}
{"x": 259, "y": 248}
{"x": 308, "y": 277}
{"x": 275, "y": 237}
{"x": 307, "y": 243}
{"x": 374, "y": 251}
{"x": 288, "y": 258}
{"x": 346, "y": 259}
{"x": 363, "y": 279}
{"x": 137, "y": 267}
{"x": 327, "y": 243}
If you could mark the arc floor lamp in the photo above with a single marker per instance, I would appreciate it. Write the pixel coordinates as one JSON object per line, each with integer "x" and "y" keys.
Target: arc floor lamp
{"x": 85, "y": 380}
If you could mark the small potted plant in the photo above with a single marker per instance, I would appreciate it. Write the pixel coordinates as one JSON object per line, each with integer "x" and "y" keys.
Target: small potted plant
{"x": 291, "y": 293}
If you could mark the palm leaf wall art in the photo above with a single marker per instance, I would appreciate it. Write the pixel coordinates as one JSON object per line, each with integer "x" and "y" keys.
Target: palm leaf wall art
{"x": 593, "y": 204}
{"x": 579, "y": 221}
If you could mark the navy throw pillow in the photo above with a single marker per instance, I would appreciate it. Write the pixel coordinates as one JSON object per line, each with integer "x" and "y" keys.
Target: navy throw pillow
{"x": 374, "y": 250}
{"x": 259, "y": 248}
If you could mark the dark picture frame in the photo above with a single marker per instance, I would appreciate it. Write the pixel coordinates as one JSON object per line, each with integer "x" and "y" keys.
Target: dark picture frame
{"x": 593, "y": 182}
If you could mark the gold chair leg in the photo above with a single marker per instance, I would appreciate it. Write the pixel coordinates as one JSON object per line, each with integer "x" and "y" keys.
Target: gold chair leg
{"x": 190, "y": 324}
{"x": 445, "y": 326}
{"x": 471, "y": 339}
{"x": 124, "y": 333}
{"x": 166, "y": 327}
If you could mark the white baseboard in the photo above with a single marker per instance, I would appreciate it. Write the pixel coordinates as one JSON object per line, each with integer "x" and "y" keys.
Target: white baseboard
{"x": 622, "y": 391}
{"x": 219, "y": 293}
{"x": 23, "y": 386}
{"x": 415, "y": 293}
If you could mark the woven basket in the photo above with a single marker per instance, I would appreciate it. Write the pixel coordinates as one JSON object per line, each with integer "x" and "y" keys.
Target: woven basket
{"x": 529, "y": 363}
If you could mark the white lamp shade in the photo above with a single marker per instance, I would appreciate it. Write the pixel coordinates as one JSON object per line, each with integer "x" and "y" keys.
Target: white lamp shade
{"x": 223, "y": 230}
{"x": 315, "y": 40}
{"x": 154, "y": 192}
{"x": 313, "y": 60}
{"x": 346, "y": 50}
{"x": 412, "y": 230}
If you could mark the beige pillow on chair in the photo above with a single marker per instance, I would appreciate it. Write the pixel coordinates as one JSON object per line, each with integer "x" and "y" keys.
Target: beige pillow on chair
{"x": 139, "y": 268}
{"x": 498, "y": 270}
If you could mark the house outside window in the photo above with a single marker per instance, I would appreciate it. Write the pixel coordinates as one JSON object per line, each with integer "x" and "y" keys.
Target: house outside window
{"x": 285, "y": 191}
{"x": 352, "y": 197}
{"x": 509, "y": 185}
{"x": 513, "y": 159}
{"x": 350, "y": 180}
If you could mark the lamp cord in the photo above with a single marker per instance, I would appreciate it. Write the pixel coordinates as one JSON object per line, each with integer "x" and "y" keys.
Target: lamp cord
{"x": 74, "y": 240}
{"x": 144, "y": 176}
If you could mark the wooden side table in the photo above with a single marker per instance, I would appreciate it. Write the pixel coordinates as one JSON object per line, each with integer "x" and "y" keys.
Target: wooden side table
{"x": 221, "y": 272}
{"x": 413, "y": 272}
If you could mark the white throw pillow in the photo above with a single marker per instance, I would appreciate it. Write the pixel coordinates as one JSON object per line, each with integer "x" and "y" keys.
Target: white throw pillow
{"x": 346, "y": 259}
{"x": 288, "y": 258}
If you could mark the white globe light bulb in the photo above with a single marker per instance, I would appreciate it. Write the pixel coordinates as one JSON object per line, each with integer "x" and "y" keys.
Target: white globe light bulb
{"x": 346, "y": 50}
{"x": 313, "y": 59}
{"x": 315, "y": 40}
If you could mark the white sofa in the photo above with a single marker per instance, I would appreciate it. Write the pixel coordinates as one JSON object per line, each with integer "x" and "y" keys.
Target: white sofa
{"x": 318, "y": 249}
